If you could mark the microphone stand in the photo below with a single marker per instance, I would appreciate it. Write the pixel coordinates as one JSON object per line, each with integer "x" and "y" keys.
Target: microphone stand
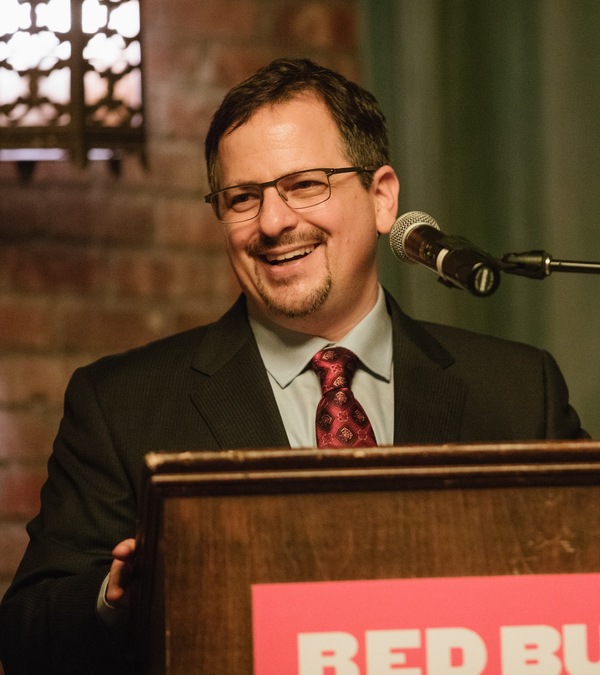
{"x": 540, "y": 264}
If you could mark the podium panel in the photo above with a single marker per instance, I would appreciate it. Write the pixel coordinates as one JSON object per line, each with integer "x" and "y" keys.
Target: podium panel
{"x": 214, "y": 524}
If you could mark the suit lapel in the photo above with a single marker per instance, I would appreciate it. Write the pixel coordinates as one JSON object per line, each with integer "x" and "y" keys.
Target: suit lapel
{"x": 429, "y": 400}
{"x": 234, "y": 395}
{"x": 235, "y": 398}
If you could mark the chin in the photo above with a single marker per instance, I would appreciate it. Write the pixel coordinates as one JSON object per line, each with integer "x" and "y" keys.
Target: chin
{"x": 294, "y": 305}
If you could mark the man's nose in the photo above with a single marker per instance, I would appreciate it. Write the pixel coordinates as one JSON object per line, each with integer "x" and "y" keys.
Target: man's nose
{"x": 275, "y": 215}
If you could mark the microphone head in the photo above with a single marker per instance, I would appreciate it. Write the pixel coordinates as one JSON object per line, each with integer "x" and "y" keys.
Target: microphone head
{"x": 403, "y": 225}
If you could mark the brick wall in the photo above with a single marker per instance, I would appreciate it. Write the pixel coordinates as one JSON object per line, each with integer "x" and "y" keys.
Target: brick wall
{"x": 91, "y": 263}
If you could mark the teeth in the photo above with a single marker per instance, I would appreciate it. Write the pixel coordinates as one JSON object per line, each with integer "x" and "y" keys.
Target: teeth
{"x": 298, "y": 253}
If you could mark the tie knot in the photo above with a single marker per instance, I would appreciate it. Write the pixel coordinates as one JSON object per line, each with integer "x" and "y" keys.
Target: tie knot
{"x": 335, "y": 367}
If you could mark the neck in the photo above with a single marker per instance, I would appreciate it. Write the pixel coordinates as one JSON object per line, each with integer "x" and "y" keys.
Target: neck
{"x": 322, "y": 322}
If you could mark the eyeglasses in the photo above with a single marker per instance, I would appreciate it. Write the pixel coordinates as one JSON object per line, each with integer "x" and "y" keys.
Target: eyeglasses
{"x": 298, "y": 190}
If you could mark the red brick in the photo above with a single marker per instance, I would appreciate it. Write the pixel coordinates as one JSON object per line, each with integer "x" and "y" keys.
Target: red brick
{"x": 133, "y": 171}
{"x": 69, "y": 173}
{"x": 13, "y": 541}
{"x": 175, "y": 166}
{"x": 35, "y": 379}
{"x": 110, "y": 329}
{"x": 184, "y": 116}
{"x": 169, "y": 274}
{"x": 205, "y": 18}
{"x": 144, "y": 275}
{"x": 20, "y": 212}
{"x": 75, "y": 213}
{"x": 224, "y": 286}
{"x": 230, "y": 64}
{"x": 192, "y": 317}
{"x": 173, "y": 64}
{"x": 58, "y": 172}
{"x": 27, "y": 434}
{"x": 20, "y": 490}
{"x": 345, "y": 64}
{"x": 318, "y": 24}
{"x": 26, "y": 324}
{"x": 46, "y": 267}
{"x": 189, "y": 222}
{"x": 123, "y": 217}
{"x": 8, "y": 172}
{"x": 223, "y": 292}
{"x": 105, "y": 215}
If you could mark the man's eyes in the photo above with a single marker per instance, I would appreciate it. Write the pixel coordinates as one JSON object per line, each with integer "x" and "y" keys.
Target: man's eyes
{"x": 242, "y": 198}
{"x": 305, "y": 184}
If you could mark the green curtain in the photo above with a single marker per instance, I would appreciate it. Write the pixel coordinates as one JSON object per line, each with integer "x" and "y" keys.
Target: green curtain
{"x": 493, "y": 110}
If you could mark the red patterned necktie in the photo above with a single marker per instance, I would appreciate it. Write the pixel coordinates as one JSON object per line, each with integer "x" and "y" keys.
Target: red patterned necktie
{"x": 341, "y": 420}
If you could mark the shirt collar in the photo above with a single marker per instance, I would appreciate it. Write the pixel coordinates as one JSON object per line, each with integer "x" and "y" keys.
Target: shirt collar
{"x": 287, "y": 353}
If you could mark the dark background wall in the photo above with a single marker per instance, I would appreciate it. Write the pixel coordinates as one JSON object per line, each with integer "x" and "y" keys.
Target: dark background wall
{"x": 494, "y": 112}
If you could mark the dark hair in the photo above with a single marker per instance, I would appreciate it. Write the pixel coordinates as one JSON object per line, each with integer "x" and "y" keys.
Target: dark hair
{"x": 356, "y": 112}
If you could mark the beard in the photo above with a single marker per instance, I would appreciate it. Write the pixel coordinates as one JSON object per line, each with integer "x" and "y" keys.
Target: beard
{"x": 291, "y": 302}
{"x": 291, "y": 298}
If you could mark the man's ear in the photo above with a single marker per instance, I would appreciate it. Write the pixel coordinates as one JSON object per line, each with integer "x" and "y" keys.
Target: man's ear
{"x": 385, "y": 189}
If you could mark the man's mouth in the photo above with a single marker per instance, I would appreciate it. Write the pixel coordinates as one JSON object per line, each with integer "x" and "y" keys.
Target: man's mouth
{"x": 289, "y": 256}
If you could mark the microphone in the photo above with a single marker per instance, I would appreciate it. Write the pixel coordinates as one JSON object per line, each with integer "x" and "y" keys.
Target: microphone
{"x": 415, "y": 237}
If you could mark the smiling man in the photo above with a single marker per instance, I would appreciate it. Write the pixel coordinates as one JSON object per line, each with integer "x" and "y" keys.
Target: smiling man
{"x": 314, "y": 353}
{"x": 310, "y": 268}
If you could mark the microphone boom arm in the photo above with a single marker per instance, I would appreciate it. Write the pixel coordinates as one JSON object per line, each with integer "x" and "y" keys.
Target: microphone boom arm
{"x": 540, "y": 264}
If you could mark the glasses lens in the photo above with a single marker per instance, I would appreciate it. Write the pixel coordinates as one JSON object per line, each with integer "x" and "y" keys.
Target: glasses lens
{"x": 241, "y": 202}
{"x": 305, "y": 188}
{"x": 299, "y": 190}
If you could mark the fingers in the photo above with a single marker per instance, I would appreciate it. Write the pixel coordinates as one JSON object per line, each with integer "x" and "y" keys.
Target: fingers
{"x": 124, "y": 550}
{"x": 121, "y": 571}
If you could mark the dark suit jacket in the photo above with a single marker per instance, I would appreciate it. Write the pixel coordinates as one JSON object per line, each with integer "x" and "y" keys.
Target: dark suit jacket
{"x": 450, "y": 386}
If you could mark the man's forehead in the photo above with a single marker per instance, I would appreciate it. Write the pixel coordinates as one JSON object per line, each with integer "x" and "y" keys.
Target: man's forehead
{"x": 284, "y": 107}
{"x": 292, "y": 135}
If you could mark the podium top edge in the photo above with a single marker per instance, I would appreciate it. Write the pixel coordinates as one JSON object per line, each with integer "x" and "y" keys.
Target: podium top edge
{"x": 558, "y": 452}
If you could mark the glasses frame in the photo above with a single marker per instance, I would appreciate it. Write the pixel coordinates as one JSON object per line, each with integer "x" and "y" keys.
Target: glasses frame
{"x": 211, "y": 198}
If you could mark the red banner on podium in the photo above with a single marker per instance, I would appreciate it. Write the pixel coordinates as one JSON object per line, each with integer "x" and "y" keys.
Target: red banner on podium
{"x": 505, "y": 625}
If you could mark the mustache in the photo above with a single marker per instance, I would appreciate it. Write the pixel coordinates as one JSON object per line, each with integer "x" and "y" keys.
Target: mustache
{"x": 263, "y": 244}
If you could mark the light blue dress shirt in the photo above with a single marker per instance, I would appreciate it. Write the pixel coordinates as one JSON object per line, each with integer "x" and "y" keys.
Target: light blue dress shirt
{"x": 296, "y": 387}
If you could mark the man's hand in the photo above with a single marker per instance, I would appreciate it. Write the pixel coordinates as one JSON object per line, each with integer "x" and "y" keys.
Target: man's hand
{"x": 118, "y": 590}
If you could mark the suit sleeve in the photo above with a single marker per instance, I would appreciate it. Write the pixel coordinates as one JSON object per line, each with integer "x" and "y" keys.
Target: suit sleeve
{"x": 48, "y": 621}
{"x": 562, "y": 422}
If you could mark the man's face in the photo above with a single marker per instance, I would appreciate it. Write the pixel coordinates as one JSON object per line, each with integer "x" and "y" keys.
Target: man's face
{"x": 314, "y": 269}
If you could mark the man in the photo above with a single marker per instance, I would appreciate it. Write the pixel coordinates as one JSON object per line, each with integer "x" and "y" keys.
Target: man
{"x": 299, "y": 170}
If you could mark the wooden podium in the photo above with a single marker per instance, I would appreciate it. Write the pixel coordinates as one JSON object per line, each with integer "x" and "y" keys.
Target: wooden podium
{"x": 213, "y": 524}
